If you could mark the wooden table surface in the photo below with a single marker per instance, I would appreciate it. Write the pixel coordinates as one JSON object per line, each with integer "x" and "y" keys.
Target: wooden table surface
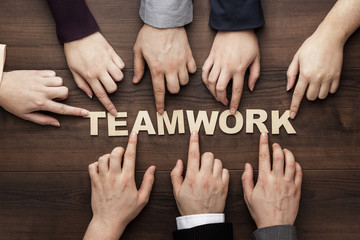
{"x": 44, "y": 184}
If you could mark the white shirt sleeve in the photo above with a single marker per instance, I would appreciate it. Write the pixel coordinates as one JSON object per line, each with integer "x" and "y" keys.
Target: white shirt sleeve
{"x": 2, "y": 59}
{"x": 190, "y": 221}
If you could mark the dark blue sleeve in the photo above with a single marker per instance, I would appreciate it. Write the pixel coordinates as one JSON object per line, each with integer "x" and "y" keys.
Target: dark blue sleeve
{"x": 236, "y": 15}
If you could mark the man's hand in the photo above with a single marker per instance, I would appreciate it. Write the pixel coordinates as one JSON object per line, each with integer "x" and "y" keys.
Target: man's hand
{"x": 24, "y": 93}
{"x": 276, "y": 196}
{"x": 318, "y": 63}
{"x": 232, "y": 53}
{"x": 95, "y": 65}
{"x": 205, "y": 188}
{"x": 169, "y": 58}
{"x": 115, "y": 200}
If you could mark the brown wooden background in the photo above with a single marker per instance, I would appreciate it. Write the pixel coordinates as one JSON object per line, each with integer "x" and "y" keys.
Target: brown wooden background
{"x": 44, "y": 184}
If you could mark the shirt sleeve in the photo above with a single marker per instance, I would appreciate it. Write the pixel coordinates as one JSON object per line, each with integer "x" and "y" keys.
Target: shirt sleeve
{"x": 166, "y": 13}
{"x": 73, "y": 19}
{"x": 2, "y": 59}
{"x": 236, "y": 15}
{"x": 190, "y": 221}
{"x": 280, "y": 232}
{"x": 223, "y": 231}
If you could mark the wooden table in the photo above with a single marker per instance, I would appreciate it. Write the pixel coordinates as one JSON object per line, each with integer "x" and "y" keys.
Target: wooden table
{"x": 44, "y": 184}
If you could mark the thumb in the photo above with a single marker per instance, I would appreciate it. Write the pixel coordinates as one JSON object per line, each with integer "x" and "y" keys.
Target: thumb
{"x": 176, "y": 176}
{"x": 139, "y": 65}
{"x": 254, "y": 73}
{"x": 247, "y": 181}
{"x": 292, "y": 72}
{"x": 146, "y": 185}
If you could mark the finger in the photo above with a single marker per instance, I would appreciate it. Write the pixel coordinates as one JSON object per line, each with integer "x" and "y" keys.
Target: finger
{"x": 254, "y": 73}
{"x": 117, "y": 60}
{"x": 82, "y": 84}
{"x": 207, "y": 163}
{"x": 46, "y": 73}
{"x": 278, "y": 160}
{"x": 194, "y": 153}
{"x": 237, "y": 88}
{"x": 221, "y": 85}
{"x": 53, "y": 81}
{"x": 247, "y": 181}
{"x": 64, "y": 109}
{"x": 213, "y": 78}
{"x": 103, "y": 97}
{"x": 264, "y": 155}
{"x": 334, "y": 86}
{"x": 172, "y": 83}
{"x": 41, "y": 119}
{"x": 191, "y": 64}
{"x": 130, "y": 154}
{"x": 183, "y": 76}
{"x": 290, "y": 165}
{"x": 139, "y": 66}
{"x": 313, "y": 91}
{"x": 60, "y": 93}
{"x": 115, "y": 72}
{"x": 225, "y": 177}
{"x": 206, "y": 70}
{"x": 217, "y": 168}
{"x": 176, "y": 176}
{"x": 104, "y": 164}
{"x": 159, "y": 92}
{"x": 94, "y": 171}
{"x": 297, "y": 97}
{"x": 324, "y": 90}
{"x": 108, "y": 83}
{"x": 292, "y": 72}
{"x": 298, "y": 175}
{"x": 116, "y": 159}
{"x": 146, "y": 186}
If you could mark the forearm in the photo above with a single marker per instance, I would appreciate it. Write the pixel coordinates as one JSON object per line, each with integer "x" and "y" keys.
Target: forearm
{"x": 342, "y": 21}
{"x": 102, "y": 231}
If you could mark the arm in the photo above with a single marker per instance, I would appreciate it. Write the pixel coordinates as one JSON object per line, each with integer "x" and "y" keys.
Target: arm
{"x": 319, "y": 60}
{"x": 201, "y": 196}
{"x": 234, "y": 50}
{"x": 95, "y": 65}
{"x": 274, "y": 201}
{"x": 162, "y": 42}
{"x": 115, "y": 200}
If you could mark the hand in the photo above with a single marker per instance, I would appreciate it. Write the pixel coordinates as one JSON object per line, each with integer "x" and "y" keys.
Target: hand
{"x": 168, "y": 55}
{"x": 276, "y": 196}
{"x": 95, "y": 65}
{"x": 115, "y": 200}
{"x": 24, "y": 93}
{"x": 205, "y": 188}
{"x": 318, "y": 63}
{"x": 232, "y": 53}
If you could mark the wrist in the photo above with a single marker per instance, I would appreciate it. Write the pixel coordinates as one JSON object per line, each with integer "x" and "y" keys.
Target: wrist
{"x": 327, "y": 32}
{"x": 106, "y": 230}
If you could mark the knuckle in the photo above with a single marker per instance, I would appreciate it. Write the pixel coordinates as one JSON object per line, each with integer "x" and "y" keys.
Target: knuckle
{"x": 298, "y": 94}
{"x": 220, "y": 88}
{"x": 63, "y": 109}
{"x": 264, "y": 156}
{"x": 101, "y": 94}
{"x": 157, "y": 68}
{"x": 237, "y": 90}
{"x": 90, "y": 74}
{"x": 159, "y": 91}
{"x": 208, "y": 155}
{"x": 40, "y": 103}
{"x": 112, "y": 88}
{"x": 174, "y": 89}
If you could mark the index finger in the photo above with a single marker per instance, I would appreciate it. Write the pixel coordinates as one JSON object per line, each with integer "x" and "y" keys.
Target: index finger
{"x": 159, "y": 92}
{"x": 237, "y": 88}
{"x": 264, "y": 154}
{"x": 194, "y": 153}
{"x": 130, "y": 154}
{"x": 297, "y": 97}
{"x": 103, "y": 97}
{"x": 64, "y": 109}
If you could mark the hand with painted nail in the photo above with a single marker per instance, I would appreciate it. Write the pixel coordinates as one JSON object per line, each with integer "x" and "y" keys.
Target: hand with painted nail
{"x": 232, "y": 53}
{"x": 96, "y": 67}
{"x": 319, "y": 60}
{"x": 115, "y": 200}
{"x": 275, "y": 198}
{"x": 25, "y": 93}
{"x": 168, "y": 55}
{"x": 205, "y": 188}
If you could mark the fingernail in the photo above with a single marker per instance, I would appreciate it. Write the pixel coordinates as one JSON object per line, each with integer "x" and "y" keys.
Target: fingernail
{"x": 161, "y": 111}
{"x": 84, "y": 112}
{"x": 233, "y": 111}
{"x": 55, "y": 124}
{"x": 178, "y": 163}
{"x": 194, "y": 133}
{"x": 89, "y": 95}
{"x": 287, "y": 87}
{"x": 135, "y": 79}
{"x": 152, "y": 170}
{"x": 133, "y": 134}
{"x": 113, "y": 112}
{"x": 246, "y": 166}
{"x": 292, "y": 115}
{"x": 252, "y": 88}
{"x": 263, "y": 134}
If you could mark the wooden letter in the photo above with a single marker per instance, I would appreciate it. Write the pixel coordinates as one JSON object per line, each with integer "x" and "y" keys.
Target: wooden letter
{"x": 250, "y": 121}
{"x": 177, "y": 117}
{"x": 283, "y": 121}
{"x": 238, "y": 124}
{"x": 202, "y": 118}
{"x": 148, "y": 126}
{"x": 94, "y": 116}
{"x": 112, "y": 124}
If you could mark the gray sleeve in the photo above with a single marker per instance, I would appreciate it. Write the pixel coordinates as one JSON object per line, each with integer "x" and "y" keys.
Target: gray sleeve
{"x": 281, "y": 232}
{"x": 166, "y": 13}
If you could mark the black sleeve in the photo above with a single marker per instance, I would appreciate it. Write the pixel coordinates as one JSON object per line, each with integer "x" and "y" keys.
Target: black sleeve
{"x": 236, "y": 15}
{"x": 223, "y": 231}
{"x": 280, "y": 232}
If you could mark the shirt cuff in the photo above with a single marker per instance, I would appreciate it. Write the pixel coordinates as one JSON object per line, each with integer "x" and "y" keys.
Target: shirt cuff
{"x": 190, "y": 221}
{"x": 2, "y": 59}
{"x": 166, "y": 14}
